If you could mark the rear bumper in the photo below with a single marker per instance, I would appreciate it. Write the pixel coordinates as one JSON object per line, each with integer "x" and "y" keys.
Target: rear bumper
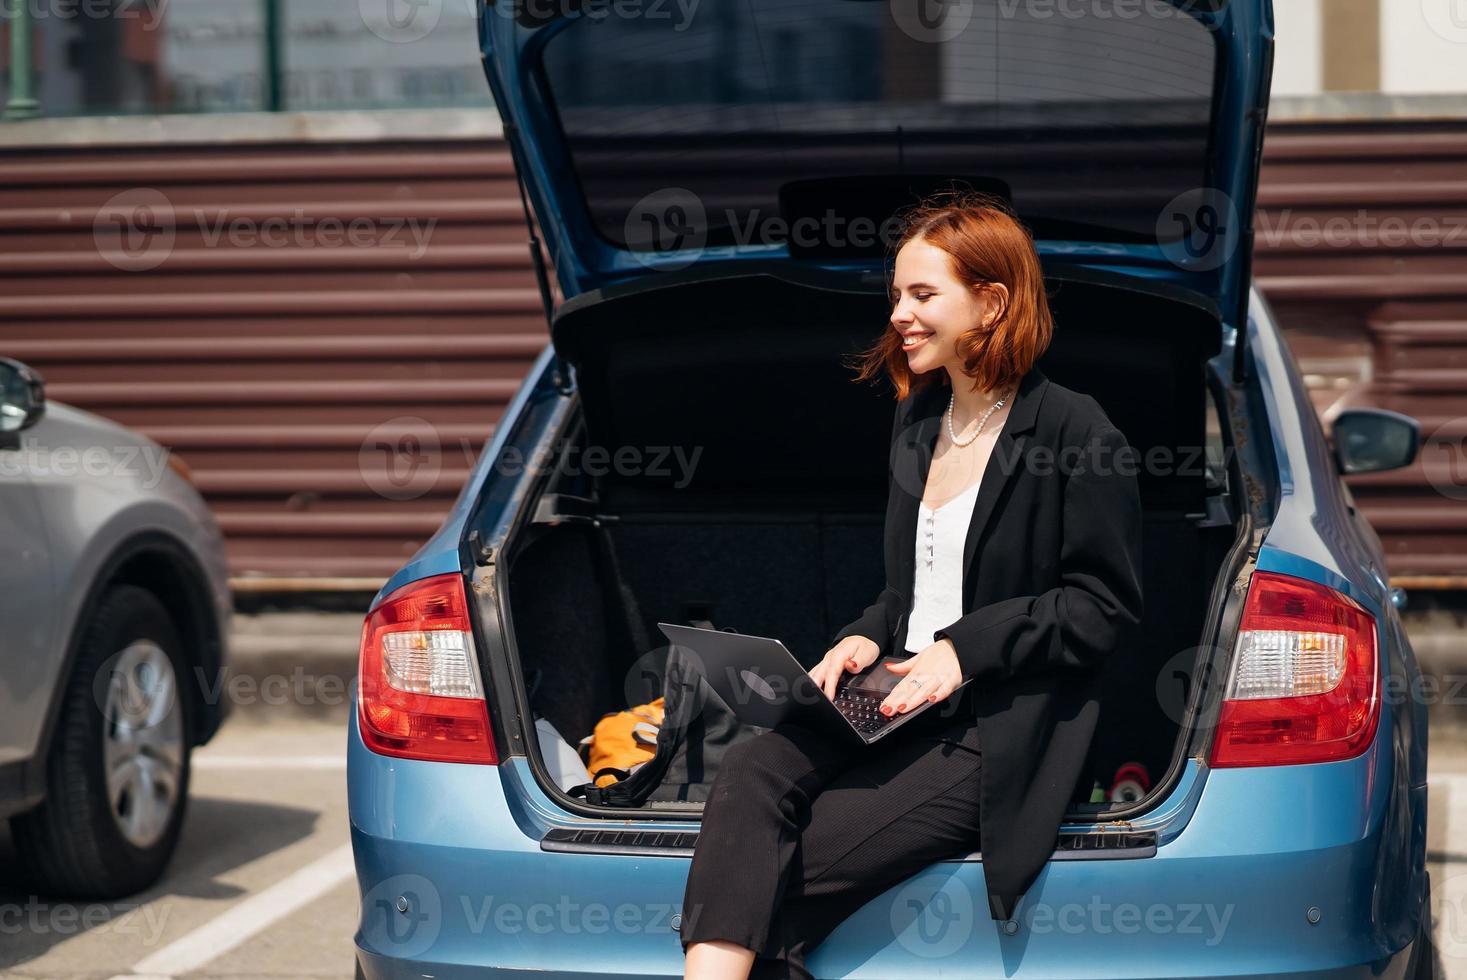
{"x": 374, "y": 968}
{"x": 456, "y": 848}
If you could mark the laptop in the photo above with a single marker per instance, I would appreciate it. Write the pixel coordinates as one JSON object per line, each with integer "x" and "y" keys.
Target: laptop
{"x": 763, "y": 684}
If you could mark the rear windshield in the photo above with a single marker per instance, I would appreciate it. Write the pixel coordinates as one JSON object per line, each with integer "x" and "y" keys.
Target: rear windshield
{"x": 1090, "y": 114}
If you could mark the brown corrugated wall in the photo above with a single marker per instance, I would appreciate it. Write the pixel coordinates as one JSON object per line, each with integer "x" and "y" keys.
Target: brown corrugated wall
{"x": 1362, "y": 251}
{"x": 279, "y": 370}
{"x": 268, "y": 357}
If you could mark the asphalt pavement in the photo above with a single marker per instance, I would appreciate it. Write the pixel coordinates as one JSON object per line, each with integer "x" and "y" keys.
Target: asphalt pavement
{"x": 261, "y": 885}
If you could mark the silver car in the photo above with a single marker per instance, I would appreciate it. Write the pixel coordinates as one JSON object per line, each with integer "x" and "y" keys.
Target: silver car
{"x": 114, "y": 601}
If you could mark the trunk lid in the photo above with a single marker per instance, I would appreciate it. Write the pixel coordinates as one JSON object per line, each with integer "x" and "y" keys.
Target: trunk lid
{"x": 669, "y": 134}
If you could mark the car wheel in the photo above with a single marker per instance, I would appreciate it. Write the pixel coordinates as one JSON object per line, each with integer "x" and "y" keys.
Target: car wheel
{"x": 117, "y": 776}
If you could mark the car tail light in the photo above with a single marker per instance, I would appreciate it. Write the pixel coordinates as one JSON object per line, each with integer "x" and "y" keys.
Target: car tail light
{"x": 1303, "y": 685}
{"x": 420, "y": 695}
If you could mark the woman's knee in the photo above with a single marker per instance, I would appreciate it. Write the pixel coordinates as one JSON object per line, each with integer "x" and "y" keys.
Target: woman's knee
{"x": 749, "y": 756}
{"x": 770, "y": 761}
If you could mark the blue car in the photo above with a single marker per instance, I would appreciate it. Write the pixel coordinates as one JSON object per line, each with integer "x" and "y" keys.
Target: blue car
{"x": 709, "y": 190}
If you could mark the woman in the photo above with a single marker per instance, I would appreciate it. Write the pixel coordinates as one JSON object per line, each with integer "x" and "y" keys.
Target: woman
{"x": 1023, "y": 581}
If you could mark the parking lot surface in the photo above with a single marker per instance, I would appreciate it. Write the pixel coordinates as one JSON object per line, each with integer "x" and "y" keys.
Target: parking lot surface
{"x": 261, "y": 885}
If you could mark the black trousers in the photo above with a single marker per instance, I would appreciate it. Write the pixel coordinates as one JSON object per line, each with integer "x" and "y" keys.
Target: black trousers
{"x": 800, "y": 831}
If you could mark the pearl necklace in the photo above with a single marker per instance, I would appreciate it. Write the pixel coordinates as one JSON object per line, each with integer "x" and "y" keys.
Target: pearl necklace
{"x": 953, "y": 435}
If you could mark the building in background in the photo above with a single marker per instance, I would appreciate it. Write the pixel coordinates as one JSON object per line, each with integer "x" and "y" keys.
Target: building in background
{"x": 283, "y": 238}
{"x": 95, "y": 57}
{"x": 1371, "y": 46}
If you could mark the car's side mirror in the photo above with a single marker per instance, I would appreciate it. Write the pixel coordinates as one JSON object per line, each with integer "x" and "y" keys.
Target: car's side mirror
{"x": 1369, "y": 440}
{"x": 22, "y": 397}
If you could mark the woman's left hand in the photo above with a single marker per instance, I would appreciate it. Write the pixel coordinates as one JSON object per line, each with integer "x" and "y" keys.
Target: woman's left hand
{"x": 930, "y": 675}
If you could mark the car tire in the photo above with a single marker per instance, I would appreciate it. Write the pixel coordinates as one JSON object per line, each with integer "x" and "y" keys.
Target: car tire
{"x": 122, "y": 720}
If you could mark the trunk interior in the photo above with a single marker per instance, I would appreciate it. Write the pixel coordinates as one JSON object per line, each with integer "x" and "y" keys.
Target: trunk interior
{"x": 770, "y": 519}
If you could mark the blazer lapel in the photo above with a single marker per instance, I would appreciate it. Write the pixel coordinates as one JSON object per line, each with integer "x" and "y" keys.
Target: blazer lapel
{"x": 921, "y": 442}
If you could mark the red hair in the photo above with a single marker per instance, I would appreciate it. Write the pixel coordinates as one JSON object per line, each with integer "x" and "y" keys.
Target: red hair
{"x": 985, "y": 244}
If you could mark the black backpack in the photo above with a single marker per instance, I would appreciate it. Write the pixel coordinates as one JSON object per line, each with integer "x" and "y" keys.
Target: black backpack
{"x": 697, "y": 729}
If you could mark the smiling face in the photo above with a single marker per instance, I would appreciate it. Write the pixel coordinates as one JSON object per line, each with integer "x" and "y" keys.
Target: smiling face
{"x": 932, "y": 308}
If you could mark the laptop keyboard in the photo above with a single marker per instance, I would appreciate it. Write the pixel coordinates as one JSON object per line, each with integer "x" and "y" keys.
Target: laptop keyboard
{"x": 862, "y": 710}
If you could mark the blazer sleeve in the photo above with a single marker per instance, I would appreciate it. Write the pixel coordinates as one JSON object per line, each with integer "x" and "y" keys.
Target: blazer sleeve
{"x": 877, "y": 622}
{"x": 1080, "y": 622}
{"x": 879, "y": 618}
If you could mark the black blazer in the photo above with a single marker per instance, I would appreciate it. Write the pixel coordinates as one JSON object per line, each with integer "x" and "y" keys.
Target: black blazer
{"x": 1051, "y": 587}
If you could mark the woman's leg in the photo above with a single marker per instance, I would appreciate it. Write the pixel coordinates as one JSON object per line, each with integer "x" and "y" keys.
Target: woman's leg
{"x": 758, "y": 804}
{"x": 717, "y": 959}
{"x": 875, "y": 825}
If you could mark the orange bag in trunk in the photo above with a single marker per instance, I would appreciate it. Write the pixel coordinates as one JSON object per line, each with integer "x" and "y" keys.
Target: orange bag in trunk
{"x": 623, "y": 740}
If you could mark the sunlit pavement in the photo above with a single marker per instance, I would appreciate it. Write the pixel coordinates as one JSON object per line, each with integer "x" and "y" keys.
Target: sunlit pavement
{"x": 262, "y": 884}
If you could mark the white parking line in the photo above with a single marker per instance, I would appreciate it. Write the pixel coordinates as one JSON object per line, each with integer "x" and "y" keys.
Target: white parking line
{"x": 206, "y": 761}
{"x": 226, "y": 931}
{"x": 1451, "y": 788}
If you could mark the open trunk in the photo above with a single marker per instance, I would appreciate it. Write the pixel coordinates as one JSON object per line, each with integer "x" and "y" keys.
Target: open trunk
{"x": 769, "y": 522}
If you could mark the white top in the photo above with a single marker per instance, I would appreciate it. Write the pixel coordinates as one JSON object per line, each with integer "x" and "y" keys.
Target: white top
{"x": 937, "y": 588}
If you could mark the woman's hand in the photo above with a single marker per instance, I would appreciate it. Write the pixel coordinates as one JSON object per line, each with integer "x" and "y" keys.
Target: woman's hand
{"x": 930, "y": 675}
{"x": 852, "y": 655}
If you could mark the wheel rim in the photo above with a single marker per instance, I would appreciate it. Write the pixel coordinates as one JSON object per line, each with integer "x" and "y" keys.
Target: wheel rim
{"x": 142, "y": 742}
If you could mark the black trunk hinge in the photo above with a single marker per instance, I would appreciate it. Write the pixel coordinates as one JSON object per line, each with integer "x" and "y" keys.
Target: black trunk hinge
{"x": 537, "y": 259}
